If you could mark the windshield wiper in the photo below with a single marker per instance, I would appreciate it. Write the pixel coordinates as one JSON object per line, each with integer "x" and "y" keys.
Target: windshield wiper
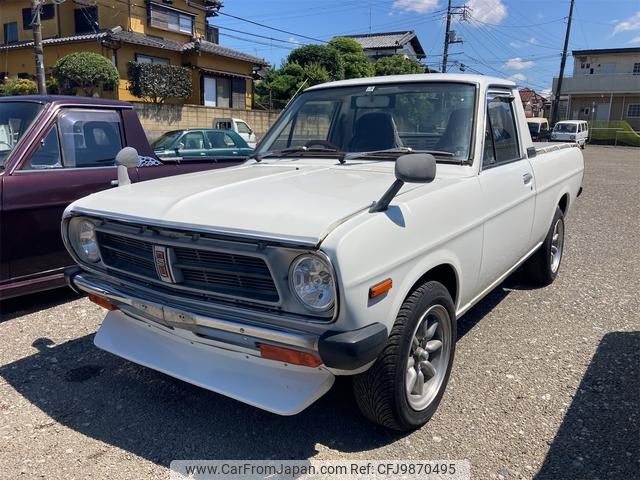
{"x": 302, "y": 150}
{"x": 393, "y": 153}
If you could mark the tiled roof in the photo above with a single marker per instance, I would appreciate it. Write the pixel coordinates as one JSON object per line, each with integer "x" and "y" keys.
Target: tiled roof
{"x": 526, "y": 94}
{"x": 209, "y": 47}
{"x": 147, "y": 40}
{"x": 384, "y": 40}
{"x": 136, "y": 38}
{"x": 58, "y": 40}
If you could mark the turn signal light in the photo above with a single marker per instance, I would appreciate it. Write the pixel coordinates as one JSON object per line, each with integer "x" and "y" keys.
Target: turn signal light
{"x": 380, "y": 288}
{"x": 288, "y": 355}
{"x": 103, "y": 302}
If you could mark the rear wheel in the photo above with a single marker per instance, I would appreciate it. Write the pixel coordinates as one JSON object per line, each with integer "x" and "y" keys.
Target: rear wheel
{"x": 543, "y": 267}
{"x": 403, "y": 388}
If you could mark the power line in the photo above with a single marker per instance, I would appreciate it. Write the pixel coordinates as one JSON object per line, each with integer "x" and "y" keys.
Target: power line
{"x": 254, "y": 35}
{"x": 272, "y": 28}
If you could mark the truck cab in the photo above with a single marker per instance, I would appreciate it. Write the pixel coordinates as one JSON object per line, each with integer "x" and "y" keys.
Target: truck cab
{"x": 54, "y": 150}
{"x": 239, "y": 126}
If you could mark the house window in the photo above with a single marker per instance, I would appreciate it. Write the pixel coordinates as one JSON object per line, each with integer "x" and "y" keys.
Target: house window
{"x": 636, "y": 68}
{"x": 140, "y": 58}
{"x": 47, "y": 12}
{"x": 170, "y": 19}
{"x": 224, "y": 92}
{"x": 86, "y": 19}
{"x": 633, "y": 111}
{"x": 11, "y": 32}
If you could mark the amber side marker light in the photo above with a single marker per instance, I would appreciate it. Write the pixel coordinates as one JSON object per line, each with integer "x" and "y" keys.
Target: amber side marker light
{"x": 380, "y": 288}
{"x": 288, "y": 355}
{"x": 103, "y": 302}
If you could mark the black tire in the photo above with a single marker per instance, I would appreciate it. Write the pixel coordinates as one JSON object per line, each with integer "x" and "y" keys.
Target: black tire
{"x": 381, "y": 391}
{"x": 540, "y": 269}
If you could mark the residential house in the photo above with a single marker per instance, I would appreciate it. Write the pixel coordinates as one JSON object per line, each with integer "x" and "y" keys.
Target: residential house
{"x": 385, "y": 44}
{"x": 156, "y": 31}
{"x": 533, "y": 103}
{"x": 605, "y": 86}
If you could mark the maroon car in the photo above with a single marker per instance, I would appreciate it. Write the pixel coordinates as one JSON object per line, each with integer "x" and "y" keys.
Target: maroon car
{"x": 54, "y": 150}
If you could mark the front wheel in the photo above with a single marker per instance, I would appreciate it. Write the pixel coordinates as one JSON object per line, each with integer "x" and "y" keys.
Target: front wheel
{"x": 543, "y": 266}
{"x": 403, "y": 388}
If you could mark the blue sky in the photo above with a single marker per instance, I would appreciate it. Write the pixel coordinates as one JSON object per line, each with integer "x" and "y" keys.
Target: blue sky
{"x": 521, "y": 39}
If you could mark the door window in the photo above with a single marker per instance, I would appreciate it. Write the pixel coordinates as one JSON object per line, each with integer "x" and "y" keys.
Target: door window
{"x": 220, "y": 140}
{"x": 501, "y": 135}
{"x": 193, "y": 141}
{"x": 47, "y": 155}
{"x": 90, "y": 138}
{"x": 243, "y": 128}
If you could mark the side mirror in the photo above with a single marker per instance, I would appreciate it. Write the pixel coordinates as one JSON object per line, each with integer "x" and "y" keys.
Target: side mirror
{"x": 410, "y": 168}
{"x": 126, "y": 158}
{"x": 180, "y": 146}
{"x": 416, "y": 168}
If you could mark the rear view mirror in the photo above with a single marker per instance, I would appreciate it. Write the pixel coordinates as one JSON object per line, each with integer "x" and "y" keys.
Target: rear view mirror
{"x": 416, "y": 168}
{"x": 373, "y": 101}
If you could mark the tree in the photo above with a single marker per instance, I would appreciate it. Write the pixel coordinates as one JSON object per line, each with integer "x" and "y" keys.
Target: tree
{"x": 397, "y": 65}
{"x": 19, "y": 86}
{"x": 86, "y": 70}
{"x": 278, "y": 86}
{"x": 356, "y": 63}
{"x": 323, "y": 55}
{"x": 156, "y": 82}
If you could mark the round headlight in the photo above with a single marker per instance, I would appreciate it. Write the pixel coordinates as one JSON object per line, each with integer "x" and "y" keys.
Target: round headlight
{"x": 82, "y": 234}
{"x": 312, "y": 282}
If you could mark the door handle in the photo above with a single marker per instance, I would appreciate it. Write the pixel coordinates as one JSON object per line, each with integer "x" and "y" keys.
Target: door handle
{"x": 526, "y": 178}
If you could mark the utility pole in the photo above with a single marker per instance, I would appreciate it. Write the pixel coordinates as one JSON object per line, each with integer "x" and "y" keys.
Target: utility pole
{"x": 445, "y": 52}
{"x": 450, "y": 35}
{"x": 36, "y": 6}
{"x": 556, "y": 101}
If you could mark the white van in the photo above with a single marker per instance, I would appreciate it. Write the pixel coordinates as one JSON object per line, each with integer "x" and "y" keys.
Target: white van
{"x": 539, "y": 128}
{"x": 239, "y": 126}
{"x": 571, "y": 131}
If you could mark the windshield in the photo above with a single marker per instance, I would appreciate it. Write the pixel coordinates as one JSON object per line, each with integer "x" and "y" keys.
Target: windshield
{"x": 166, "y": 140}
{"x": 565, "y": 128}
{"x": 534, "y": 128}
{"x": 369, "y": 118}
{"x": 15, "y": 119}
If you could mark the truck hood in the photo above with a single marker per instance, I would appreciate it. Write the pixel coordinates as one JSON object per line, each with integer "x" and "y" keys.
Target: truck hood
{"x": 291, "y": 201}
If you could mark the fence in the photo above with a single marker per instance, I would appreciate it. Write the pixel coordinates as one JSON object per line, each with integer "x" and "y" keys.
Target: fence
{"x": 157, "y": 119}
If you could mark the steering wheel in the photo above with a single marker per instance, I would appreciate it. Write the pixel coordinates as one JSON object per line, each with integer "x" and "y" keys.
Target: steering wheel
{"x": 322, "y": 143}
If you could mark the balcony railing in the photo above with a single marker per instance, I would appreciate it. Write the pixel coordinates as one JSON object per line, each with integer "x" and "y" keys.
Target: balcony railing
{"x": 599, "y": 83}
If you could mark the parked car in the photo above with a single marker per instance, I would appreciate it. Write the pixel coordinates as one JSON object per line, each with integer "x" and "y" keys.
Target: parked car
{"x": 575, "y": 131}
{"x": 202, "y": 143}
{"x": 538, "y": 128}
{"x": 239, "y": 126}
{"x": 336, "y": 251}
{"x": 54, "y": 150}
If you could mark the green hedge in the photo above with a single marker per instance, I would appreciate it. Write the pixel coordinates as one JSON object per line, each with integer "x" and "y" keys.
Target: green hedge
{"x": 156, "y": 82}
{"x": 86, "y": 70}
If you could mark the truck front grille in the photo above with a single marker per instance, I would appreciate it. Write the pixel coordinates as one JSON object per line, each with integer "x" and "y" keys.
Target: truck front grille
{"x": 202, "y": 270}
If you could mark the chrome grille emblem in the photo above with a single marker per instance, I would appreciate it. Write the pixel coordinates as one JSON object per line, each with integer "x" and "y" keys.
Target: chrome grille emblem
{"x": 162, "y": 260}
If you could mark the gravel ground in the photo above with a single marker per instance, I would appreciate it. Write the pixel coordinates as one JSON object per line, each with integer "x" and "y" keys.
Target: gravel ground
{"x": 546, "y": 382}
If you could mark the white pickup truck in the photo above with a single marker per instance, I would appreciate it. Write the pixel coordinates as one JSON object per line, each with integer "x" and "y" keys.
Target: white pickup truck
{"x": 375, "y": 213}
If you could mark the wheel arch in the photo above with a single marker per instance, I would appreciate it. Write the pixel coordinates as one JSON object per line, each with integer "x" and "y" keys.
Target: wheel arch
{"x": 563, "y": 203}
{"x": 445, "y": 273}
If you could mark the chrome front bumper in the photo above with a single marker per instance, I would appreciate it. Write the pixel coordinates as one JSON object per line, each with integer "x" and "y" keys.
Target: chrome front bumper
{"x": 342, "y": 352}
{"x": 244, "y": 336}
